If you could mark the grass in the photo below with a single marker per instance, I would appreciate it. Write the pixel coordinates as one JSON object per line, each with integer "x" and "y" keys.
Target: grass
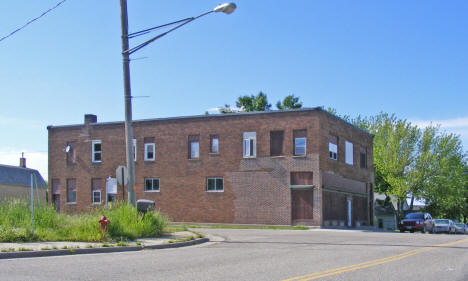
{"x": 22, "y": 249}
{"x": 271, "y": 227}
{"x": 126, "y": 223}
{"x": 175, "y": 228}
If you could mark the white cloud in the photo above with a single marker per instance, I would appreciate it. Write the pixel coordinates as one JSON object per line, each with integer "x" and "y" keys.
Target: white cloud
{"x": 457, "y": 126}
{"x": 34, "y": 160}
{"x": 461, "y": 122}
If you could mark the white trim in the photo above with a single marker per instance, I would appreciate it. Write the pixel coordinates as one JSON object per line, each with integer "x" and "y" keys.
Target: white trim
{"x": 93, "y": 152}
{"x": 194, "y": 154}
{"x": 146, "y": 151}
{"x": 332, "y": 151}
{"x": 100, "y": 197}
{"x": 215, "y": 179}
{"x": 249, "y": 137}
{"x": 300, "y": 146}
{"x": 153, "y": 190}
{"x": 349, "y": 153}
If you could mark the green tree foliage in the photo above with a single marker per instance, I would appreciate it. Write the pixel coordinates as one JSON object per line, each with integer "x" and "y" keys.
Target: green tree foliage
{"x": 426, "y": 164}
{"x": 289, "y": 102}
{"x": 253, "y": 103}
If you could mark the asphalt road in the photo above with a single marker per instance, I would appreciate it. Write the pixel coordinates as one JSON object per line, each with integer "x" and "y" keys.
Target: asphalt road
{"x": 268, "y": 255}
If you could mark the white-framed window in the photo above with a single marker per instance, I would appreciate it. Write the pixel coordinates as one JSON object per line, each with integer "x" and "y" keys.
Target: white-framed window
{"x": 300, "y": 146}
{"x": 96, "y": 148}
{"x": 214, "y": 144}
{"x": 214, "y": 185}
{"x": 300, "y": 142}
{"x": 333, "y": 147}
{"x": 152, "y": 184}
{"x": 149, "y": 151}
{"x": 134, "y": 150}
{"x": 250, "y": 145}
{"x": 96, "y": 197}
{"x": 333, "y": 151}
{"x": 194, "y": 146}
{"x": 349, "y": 153}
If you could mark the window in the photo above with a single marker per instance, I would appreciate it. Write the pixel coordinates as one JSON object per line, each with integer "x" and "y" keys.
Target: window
{"x": 149, "y": 151}
{"x": 71, "y": 190}
{"x": 134, "y": 149}
{"x": 152, "y": 184}
{"x": 363, "y": 157}
{"x": 214, "y": 144}
{"x": 70, "y": 150}
{"x": 276, "y": 143}
{"x": 96, "y": 151}
{"x": 194, "y": 146}
{"x": 349, "y": 153}
{"x": 96, "y": 187}
{"x": 250, "y": 145}
{"x": 214, "y": 184}
{"x": 333, "y": 147}
{"x": 300, "y": 142}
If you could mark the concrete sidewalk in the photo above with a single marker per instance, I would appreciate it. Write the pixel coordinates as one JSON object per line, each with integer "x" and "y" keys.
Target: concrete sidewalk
{"x": 40, "y": 249}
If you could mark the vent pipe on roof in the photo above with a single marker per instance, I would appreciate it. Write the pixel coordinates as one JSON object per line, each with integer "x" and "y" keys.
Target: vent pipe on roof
{"x": 22, "y": 161}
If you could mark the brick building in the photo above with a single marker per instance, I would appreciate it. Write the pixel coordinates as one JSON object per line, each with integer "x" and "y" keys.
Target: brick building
{"x": 277, "y": 167}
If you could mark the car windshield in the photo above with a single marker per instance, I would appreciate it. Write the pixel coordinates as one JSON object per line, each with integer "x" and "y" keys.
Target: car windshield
{"x": 415, "y": 216}
{"x": 460, "y": 224}
{"x": 441, "y": 221}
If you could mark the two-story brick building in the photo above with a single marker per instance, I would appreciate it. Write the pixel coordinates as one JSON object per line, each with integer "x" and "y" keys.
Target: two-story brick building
{"x": 276, "y": 167}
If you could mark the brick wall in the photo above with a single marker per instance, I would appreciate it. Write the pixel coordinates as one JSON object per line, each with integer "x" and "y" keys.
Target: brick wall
{"x": 255, "y": 190}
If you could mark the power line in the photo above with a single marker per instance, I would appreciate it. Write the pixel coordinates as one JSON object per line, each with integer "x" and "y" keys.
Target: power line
{"x": 34, "y": 19}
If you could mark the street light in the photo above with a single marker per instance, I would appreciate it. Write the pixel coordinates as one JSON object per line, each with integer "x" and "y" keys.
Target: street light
{"x": 226, "y": 8}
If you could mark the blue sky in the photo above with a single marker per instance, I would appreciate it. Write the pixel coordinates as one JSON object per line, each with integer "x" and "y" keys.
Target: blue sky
{"x": 360, "y": 57}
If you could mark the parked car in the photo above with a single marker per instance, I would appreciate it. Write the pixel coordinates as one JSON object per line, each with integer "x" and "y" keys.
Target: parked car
{"x": 417, "y": 221}
{"x": 461, "y": 228}
{"x": 443, "y": 225}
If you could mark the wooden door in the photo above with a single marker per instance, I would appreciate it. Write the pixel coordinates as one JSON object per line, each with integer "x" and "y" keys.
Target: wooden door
{"x": 302, "y": 204}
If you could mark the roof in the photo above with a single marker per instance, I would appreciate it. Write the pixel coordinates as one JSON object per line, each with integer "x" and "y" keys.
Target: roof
{"x": 227, "y": 115}
{"x": 20, "y": 176}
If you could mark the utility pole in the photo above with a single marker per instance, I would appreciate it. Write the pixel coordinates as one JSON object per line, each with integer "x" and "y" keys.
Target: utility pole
{"x": 128, "y": 103}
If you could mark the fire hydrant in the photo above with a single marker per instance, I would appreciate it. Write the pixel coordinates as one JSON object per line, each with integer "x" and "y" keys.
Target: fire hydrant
{"x": 103, "y": 222}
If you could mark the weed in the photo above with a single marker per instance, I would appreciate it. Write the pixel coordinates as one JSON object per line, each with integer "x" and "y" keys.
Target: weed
{"x": 105, "y": 245}
{"x": 45, "y": 248}
{"x": 138, "y": 243}
{"x": 121, "y": 244}
{"x": 89, "y": 246}
{"x": 22, "y": 249}
{"x": 64, "y": 247}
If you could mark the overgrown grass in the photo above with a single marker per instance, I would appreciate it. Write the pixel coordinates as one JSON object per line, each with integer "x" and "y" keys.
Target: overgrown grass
{"x": 126, "y": 223}
{"x": 271, "y": 227}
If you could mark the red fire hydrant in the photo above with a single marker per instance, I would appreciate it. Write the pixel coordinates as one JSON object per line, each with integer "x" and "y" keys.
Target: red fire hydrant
{"x": 103, "y": 222}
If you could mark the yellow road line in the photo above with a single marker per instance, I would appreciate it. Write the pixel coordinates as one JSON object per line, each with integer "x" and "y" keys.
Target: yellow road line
{"x": 371, "y": 263}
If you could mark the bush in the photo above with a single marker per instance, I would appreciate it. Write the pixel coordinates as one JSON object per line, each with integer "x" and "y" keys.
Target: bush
{"x": 126, "y": 223}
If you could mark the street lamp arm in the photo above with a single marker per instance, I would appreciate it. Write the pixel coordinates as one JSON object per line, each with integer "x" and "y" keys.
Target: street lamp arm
{"x": 148, "y": 30}
{"x": 184, "y": 22}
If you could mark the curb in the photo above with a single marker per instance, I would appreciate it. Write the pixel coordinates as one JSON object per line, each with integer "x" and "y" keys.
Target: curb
{"x": 70, "y": 252}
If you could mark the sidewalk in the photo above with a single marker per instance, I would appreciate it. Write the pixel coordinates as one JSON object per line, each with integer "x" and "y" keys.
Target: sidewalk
{"x": 41, "y": 249}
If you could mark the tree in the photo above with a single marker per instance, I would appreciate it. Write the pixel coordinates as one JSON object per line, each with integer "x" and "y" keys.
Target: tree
{"x": 289, "y": 102}
{"x": 253, "y": 103}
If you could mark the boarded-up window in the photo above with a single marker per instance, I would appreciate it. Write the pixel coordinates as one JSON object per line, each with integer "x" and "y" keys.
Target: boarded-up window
{"x": 363, "y": 157}
{"x": 301, "y": 178}
{"x": 55, "y": 186}
{"x": 333, "y": 147}
{"x": 71, "y": 190}
{"x": 276, "y": 143}
{"x": 71, "y": 153}
{"x": 214, "y": 143}
{"x": 300, "y": 142}
{"x": 193, "y": 146}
